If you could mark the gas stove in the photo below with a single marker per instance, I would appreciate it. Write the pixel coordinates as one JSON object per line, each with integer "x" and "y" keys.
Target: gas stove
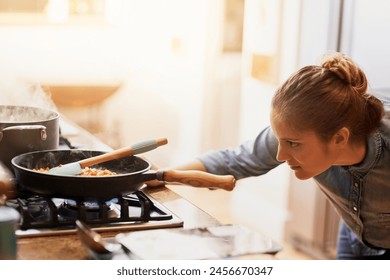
{"x": 45, "y": 216}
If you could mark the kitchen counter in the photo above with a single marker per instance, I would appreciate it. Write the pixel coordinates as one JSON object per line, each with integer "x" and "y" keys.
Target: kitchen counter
{"x": 69, "y": 247}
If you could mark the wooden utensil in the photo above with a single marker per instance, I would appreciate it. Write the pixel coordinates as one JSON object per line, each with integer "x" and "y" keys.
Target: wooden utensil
{"x": 77, "y": 167}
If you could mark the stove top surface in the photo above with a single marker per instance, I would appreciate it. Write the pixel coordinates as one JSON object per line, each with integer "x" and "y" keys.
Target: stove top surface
{"x": 53, "y": 216}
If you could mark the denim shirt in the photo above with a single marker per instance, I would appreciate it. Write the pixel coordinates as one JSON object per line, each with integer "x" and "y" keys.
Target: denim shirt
{"x": 360, "y": 193}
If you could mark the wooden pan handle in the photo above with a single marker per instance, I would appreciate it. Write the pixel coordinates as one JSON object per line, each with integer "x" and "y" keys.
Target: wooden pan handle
{"x": 138, "y": 148}
{"x": 198, "y": 179}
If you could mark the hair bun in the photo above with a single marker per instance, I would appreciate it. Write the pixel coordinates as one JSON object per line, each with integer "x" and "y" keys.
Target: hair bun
{"x": 346, "y": 70}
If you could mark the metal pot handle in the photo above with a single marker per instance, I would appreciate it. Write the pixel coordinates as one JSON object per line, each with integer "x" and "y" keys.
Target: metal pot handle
{"x": 42, "y": 129}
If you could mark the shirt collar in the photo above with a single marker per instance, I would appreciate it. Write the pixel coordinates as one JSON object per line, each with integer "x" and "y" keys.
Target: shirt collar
{"x": 374, "y": 147}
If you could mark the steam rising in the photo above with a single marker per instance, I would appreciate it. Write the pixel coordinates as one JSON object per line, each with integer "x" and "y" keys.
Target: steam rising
{"x": 19, "y": 93}
{"x": 22, "y": 114}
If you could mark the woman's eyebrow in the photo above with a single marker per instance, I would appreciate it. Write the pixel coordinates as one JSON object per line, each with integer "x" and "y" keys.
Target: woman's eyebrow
{"x": 289, "y": 139}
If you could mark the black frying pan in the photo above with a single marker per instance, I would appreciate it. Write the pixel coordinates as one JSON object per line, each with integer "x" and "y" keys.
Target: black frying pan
{"x": 132, "y": 173}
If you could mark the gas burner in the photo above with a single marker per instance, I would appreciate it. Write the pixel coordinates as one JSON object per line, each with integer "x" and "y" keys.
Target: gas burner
{"x": 38, "y": 208}
{"x": 69, "y": 209}
{"x": 90, "y": 205}
{"x": 44, "y": 216}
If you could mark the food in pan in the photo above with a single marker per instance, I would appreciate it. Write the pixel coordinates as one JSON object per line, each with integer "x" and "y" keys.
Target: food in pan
{"x": 87, "y": 171}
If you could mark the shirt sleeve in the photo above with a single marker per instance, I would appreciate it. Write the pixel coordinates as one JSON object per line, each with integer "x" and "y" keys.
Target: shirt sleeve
{"x": 251, "y": 158}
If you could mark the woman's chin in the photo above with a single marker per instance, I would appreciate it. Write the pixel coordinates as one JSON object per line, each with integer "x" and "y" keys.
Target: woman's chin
{"x": 302, "y": 175}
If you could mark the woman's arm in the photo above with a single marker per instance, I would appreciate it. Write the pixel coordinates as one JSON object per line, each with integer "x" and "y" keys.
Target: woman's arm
{"x": 193, "y": 165}
{"x": 251, "y": 158}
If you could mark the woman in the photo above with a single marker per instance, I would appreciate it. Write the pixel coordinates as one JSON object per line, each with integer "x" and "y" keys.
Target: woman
{"x": 326, "y": 126}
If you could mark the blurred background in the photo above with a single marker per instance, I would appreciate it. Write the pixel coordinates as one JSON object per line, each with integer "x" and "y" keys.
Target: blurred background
{"x": 201, "y": 73}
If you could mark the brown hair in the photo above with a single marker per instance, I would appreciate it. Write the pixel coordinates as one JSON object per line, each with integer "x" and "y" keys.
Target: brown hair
{"x": 328, "y": 97}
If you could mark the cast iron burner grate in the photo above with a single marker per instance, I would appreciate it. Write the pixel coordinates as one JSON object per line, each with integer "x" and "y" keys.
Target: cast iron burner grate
{"x": 45, "y": 212}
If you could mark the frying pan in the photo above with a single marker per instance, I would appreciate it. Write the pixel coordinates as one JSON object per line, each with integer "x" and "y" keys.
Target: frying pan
{"x": 132, "y": 173}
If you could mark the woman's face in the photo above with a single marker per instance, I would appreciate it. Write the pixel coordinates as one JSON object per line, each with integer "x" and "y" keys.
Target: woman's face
{"x": 305, "y": 153}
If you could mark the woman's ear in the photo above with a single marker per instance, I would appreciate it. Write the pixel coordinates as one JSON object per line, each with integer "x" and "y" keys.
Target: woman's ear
{"x": 342, "y": 136}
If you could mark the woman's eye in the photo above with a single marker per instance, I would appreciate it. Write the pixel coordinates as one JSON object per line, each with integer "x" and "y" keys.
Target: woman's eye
{"x": 292, "y": 144}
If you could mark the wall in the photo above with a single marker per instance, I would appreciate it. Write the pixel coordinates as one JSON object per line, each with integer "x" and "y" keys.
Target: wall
{"x": 157, "y": 52}
{"x": 364, "y": 38}
{"x": 362, "y": 34}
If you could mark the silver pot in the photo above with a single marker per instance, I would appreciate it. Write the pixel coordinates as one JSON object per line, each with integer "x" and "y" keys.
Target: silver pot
{"x": 26, "y": 129}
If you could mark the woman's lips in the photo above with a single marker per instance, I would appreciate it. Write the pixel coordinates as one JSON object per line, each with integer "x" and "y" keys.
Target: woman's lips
{"x": 295, "y": 167}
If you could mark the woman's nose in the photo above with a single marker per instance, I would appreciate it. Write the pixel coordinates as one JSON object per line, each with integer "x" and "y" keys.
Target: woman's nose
{"x": 281, "y": 154}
